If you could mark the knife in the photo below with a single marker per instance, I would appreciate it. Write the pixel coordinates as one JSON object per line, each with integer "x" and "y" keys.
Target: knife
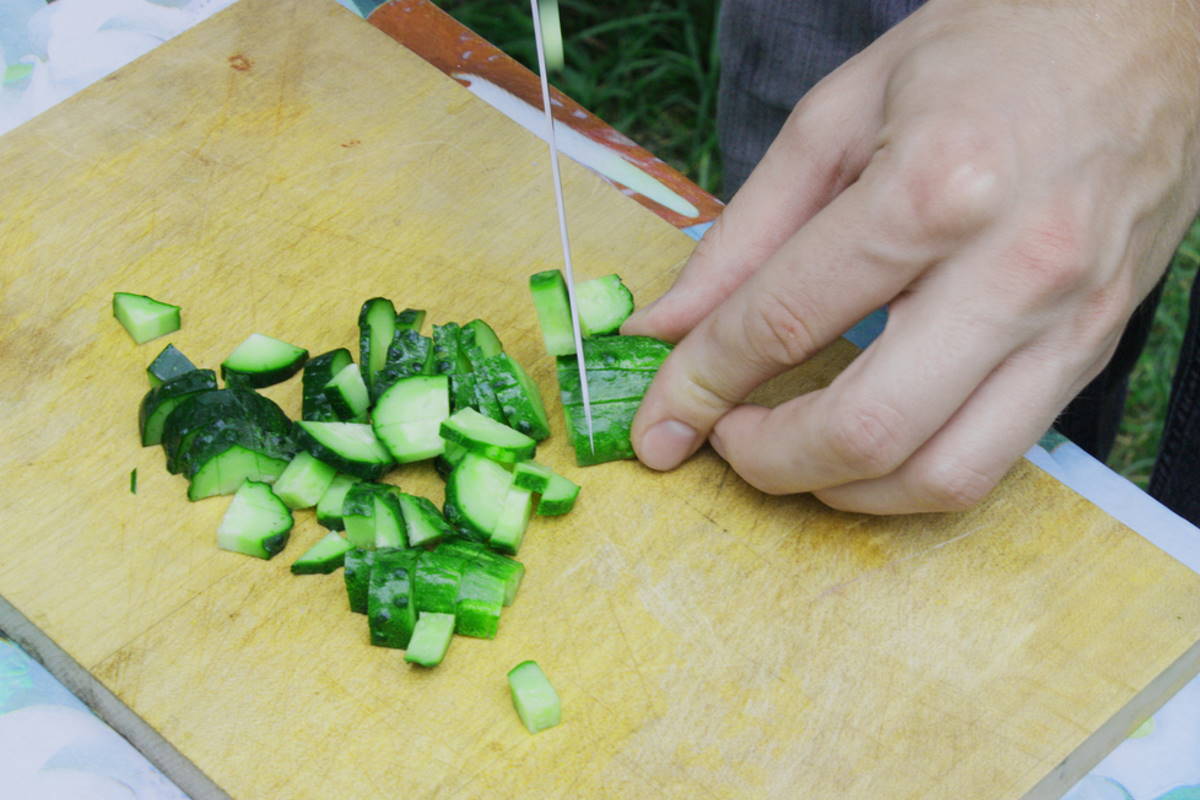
{"x": 580, "y": 358}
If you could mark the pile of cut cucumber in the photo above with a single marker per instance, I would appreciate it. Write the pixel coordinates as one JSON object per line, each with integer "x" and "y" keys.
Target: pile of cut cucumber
{"x": 455, "y": 397}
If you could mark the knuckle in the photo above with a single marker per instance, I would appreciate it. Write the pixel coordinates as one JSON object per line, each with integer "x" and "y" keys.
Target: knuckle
{"x": 947, "y": 179}
{"x": 781, "y": 330}
{"x": 1050, "y": 259}
{"x": 953, "y": 485}
{"x": 865, "y": 439}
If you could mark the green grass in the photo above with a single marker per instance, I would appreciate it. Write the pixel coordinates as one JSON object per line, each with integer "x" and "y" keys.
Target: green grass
{"x": 650, "y": 70}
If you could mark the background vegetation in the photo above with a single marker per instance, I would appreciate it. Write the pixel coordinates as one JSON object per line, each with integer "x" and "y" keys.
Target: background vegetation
{"x": 650, "y": 68}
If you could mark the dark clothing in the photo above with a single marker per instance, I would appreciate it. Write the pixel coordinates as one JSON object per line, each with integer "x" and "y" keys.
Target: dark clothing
{"x": 774, "y": 51}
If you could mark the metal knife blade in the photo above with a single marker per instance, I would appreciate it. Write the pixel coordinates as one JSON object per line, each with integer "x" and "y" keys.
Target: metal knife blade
{"x": 580, "y": 359}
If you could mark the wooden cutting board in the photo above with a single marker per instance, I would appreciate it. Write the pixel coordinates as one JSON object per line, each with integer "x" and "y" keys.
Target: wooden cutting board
{"x": 284, "y": 161}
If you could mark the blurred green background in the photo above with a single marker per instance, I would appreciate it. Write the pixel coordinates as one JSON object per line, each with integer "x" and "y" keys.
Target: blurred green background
{"x": 649, "y": 68}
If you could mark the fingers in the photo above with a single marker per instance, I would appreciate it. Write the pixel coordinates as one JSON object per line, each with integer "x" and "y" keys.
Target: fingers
{"x": 823, "y": 146}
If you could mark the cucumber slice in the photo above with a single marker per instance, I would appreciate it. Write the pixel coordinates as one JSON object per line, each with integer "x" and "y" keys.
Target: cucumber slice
{"x": 436, "y": 581}
{"x": 476, "y": 491}
{"x": 329, "y": 507}
{"x": 408, "y": 417}
{"x": 480, "y": 601}
{"x": 318, "y": 372}
{"x": 611, "y": 424}
{"x": 474, "y": 355}
{"x": 491, "y": 439}
{"x": 376, "y": 327}
{"x": 262, "y": 360}
{"x": 358, "y": 514}
{"x": 558, "y": 497}
{"x": 144, "y": 318}
{"x": 604, "y": 385}
{"x": 537, "y": 703}
{"x": 424, "y": 524}
{"x": 519, "y": 398}
{"x": 224, "y": 472}
{"x": 409, "y": 354}
{"x": 604, "y": 303}
{"x": 621, "y": 352}
{"x": 483, "y": 337}
{"x": 304, "y": 481}
{"x": 168, "y": 364}
{"x": 357, "y": 574}
{"x": 246, "y": 416}
{"x": 410, "y": 319}
{"x": 389, "y": 520}
{"x": 350, "y": 447}
{"x": 507, "y": 570}
{"x": 550, "y": 300}
{"x": 347, "y": 394}
{"x": 391, "y": 612}
{"x": 445, "y": 348}
{"x": 323, "y": 557}
{"x": 532, "y": 476}
{"x": 160, "y": 401}
{"x": 257, "y": 523}
{"x": 430, "y": 639}
{"x": 462, "y": 391}
{"x": 512, "y": 520}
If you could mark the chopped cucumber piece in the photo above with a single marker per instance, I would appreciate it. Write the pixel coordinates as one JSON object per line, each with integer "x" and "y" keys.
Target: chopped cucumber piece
{"x": 484, "y": 400}
{"x": 329, "y": 507}
{"x": 436, "y": 581}
{"x": 160, "y": 401}
{"x": 491, "y": 439}
{"x": 445, "y": 348}
{"x": 318, "y": 372}
{"x": 391, "y": 612}
{"x": 558, "y": 497}
{"x": 357, "y": 574}
{"x": 476, "y": 491}
{"x": 604, "y": 385}
{"x": 350, "y": 447}
{"x": 376, "y": 326}
{"x": 358, "y": 513}
{"x": 604, "y": 303}
{"x": 532, "y": 476}
{"x": 484, "y": 338}
{"x": 257, "y": 523}
{"x": 512, "y": 520}
{"x": 409, "y": 415}
{"x": 621, "y": 352}
{"x": 168, "y": 364}
{"x": 347, "y": 394}
{"x": 224, "y": 472}
{"x": 144, "y": 317}
{"x": 550, "y": 300}
{"x": 409, "y": 354}
{"x": 507, "y": 570}
{"x": 410, "y": 319}
{"x": 323, "y": 557}
{"x": 611, "y": 425}
{"x": 303, "y": 482}
{"x": 424, "y": 524}
{"x": 536, "y": 702}
{"x": 262, "y": 361}
{"x": 519, "y": 398}
{"x": 207, "y": 417}
{"x": 480, "y": 600}
{"x": 430, "y": 639}
{"x": 389, "y": 520}
{"x": 133, "y": 481}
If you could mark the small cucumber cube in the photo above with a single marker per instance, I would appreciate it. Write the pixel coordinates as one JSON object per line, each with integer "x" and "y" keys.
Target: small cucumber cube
{"x": 410, "y": 319}
{"x": 507, "y": 570}
{"x": 376, "y": 326}
{"x": 537, "y": 703}
{"x": 558, "y": 497}
{"x": 262, "y": 360}
{"x": 168, "y": 364}
{"x": 483, "y": 337}
{"x": 347, "y": 394}
{"x": 480, "y": 600}
{"x": 329, "y": 507}
{"x": 424, "y": 524}
{"x": 144, "y": 318}
{"x": 437, "y": 581}
{"x": 257, "y": 523}
{"x": 550, "y": 300}
{"x": 357, "y": 574}
{"x": 430, "y": 639}
{"x": 391, "y": 612}
{"x": 224, "y": 472}
{"x": 358, "y": 514}
{"x": 304, "y": 481}
{"x": 532, "y": 476}
{"x": 490, "y": 439}
{"x": 512, "y": 520}
{"x": 323, "y": 557}
{"x": 389, "y": 520}
{"x": 318, "y": 372}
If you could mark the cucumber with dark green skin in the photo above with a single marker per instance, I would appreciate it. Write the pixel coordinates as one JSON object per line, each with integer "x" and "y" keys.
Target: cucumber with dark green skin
{"x": 436, "y": 581}
{"x": 445, "y": 348}
{"x": 347, "y": 395}
{"x": 168, "y": 364}
{"x": 479, "y": 603}
{"x": 254, "y": 432}
{"x": 506, "y": 569}
{"x": 518, "y": 396}
{"x": 349, "y": 447}
{"x": 357, "y": 574}
{"x": 376, "y": 327}
{"x": 409, "y": 354}
{"x": 358, "y": 514}
{"x": 622, "y": 352}
{"x": 329, "y": 507}
{"x": 475, "y": 493}
{"x": 611, "y": 424}
{"x": 323, "y": 557}
{"x": 213, "y": 411}
{"x": 262, "y": 360}
{"x": 224, "y": 471}
{"x": 604, "y": 385}
{"x": 410, "y": 319}
{"x": 462, "y": 391}
{"x": 391, "y": 607}
{"x": 160, "y": 401}
{"x": 532, "y": 476}
{"x": 485, "y": 402}
{"x": 424, "y": 524}
{"x": 318, "y": 372}
{"x": 484, "y": 337}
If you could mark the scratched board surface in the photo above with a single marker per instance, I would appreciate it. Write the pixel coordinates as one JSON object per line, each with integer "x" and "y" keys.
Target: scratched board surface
{"x": 284, "y": 161}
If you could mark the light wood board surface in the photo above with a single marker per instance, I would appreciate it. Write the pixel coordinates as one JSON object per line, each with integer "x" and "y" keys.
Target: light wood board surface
{"x": 270, "y": 170}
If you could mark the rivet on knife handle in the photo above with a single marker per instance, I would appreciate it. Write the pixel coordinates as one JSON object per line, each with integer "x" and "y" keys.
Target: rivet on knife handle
{"x": 580, "y": 359}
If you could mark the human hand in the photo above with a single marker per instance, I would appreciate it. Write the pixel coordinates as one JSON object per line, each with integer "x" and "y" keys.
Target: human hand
{"x": 1010, "y": 177}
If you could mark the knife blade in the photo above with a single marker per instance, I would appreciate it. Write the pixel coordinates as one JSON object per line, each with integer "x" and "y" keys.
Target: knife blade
{"x": 548, "y": 110}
